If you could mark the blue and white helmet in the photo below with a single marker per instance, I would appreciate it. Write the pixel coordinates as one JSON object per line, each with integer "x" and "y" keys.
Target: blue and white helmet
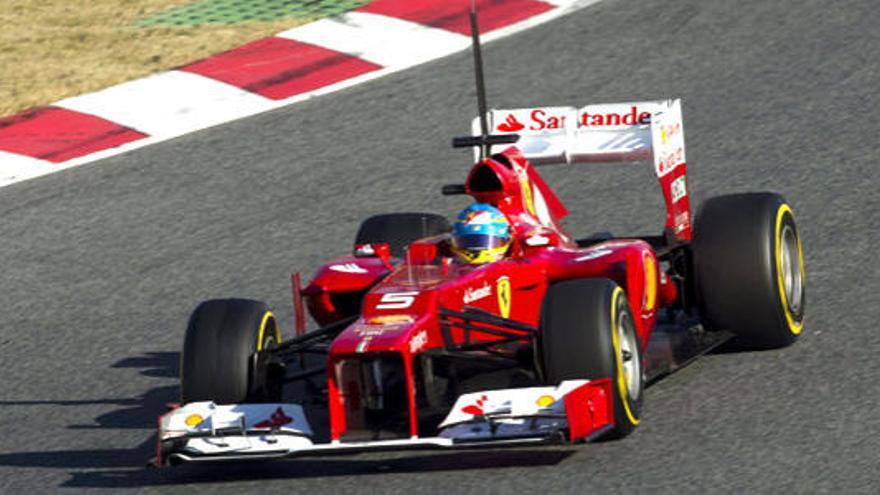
{"x": 481, "y": 234}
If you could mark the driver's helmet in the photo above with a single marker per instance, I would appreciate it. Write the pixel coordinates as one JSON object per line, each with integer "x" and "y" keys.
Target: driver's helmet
{"x": 481, "y": 234}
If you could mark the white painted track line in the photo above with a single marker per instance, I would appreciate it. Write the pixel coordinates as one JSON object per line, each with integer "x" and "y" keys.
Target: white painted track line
{"x": 15, "y": 167}
{"x": 379, "y": 39}
{"x": 169, "y": 104}
{"x": 576, "y": 4}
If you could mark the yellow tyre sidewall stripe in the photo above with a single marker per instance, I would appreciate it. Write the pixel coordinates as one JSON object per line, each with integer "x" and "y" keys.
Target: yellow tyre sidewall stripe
{"x": 263, "y": 324}
{"x": 618, "y": 360}
{"x": 794, "y": 327}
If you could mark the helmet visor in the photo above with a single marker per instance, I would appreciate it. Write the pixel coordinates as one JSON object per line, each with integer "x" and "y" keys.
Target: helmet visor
{"x": 475, "y": 242}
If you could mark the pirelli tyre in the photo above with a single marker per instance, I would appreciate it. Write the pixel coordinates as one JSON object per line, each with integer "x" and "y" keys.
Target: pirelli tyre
{"x": 400, "y": 229}
{"x": 588, "y": 331}
{"x": 219, "y": 353}
{"x": 749, "y": 269}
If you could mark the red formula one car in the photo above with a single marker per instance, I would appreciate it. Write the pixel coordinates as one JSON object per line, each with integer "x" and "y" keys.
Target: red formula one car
{"x": 555, "y": 341}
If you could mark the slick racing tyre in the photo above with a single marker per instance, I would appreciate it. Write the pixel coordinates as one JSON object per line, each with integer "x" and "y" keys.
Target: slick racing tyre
{"x": 218, "y": 361}
{"x": 749, "y": 269}
{"x": 400, "y": 229}
{"x": 588, "y": 331}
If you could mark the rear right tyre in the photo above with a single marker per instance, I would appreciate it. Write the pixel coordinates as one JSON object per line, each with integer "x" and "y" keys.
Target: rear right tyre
{"x": 398, "y": 230}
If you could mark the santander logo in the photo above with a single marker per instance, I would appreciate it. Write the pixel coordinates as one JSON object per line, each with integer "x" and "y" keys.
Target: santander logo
{"x": 510, "y": 125}
{"x": 277, "y": 420}
{"x": 540, "y": 120}
{"x": 606, "y": 119}
{"x": 476, "y": 409}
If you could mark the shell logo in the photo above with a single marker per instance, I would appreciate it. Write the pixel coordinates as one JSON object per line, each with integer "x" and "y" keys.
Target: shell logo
{"x": 193, "y": 420}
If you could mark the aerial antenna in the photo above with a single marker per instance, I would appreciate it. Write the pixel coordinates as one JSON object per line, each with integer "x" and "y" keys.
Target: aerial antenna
{"x": 481, "y": 82}
{"x": 484, "y": 140}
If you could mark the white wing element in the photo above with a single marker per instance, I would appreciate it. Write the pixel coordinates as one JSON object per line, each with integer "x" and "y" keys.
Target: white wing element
{"x": 209, "y": 419}
{"x": 512, "y": 403}
{"x": 582, "y": 408}
{"x": 207, "y": 432}
{"x": 613, "y": 132}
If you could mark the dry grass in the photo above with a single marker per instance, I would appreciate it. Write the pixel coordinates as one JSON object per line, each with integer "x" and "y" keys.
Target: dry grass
{"x": 52, "y": 49}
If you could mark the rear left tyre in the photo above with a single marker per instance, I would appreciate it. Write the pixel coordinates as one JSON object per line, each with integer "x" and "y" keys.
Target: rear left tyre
{"x": 749, "y": 269}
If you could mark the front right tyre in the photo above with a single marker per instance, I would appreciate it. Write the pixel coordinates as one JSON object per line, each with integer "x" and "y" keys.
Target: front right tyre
{"x": 588, "y": 332}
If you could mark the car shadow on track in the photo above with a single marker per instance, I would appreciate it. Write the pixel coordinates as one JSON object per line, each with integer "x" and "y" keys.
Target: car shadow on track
{"x": 363, "y": 465}
{"x": 138, "y": 413}
{"x": 127, "y": 467}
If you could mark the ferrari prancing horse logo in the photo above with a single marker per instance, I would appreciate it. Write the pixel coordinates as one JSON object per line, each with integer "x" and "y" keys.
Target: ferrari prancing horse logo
{"x": 503, "y": 290}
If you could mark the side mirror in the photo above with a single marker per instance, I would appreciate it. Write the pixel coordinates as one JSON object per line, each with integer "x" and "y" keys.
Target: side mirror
{"x": 383, "y": 252}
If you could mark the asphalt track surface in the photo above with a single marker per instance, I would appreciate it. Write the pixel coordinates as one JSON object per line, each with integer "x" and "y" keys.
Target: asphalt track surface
{"x": 102, "y": 264}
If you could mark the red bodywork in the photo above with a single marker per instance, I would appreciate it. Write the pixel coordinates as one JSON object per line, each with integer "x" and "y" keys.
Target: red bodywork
{"x": 400, "y": 305}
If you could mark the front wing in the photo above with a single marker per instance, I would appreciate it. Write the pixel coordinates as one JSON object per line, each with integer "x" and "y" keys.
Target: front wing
{"x": 205, "y": 432}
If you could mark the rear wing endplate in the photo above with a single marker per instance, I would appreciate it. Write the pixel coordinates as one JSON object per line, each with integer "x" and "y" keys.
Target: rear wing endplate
{"x": 616, "y": 132}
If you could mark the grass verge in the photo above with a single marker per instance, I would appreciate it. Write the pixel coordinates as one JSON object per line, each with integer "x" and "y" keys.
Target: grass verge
{"x": 52, "y": 49}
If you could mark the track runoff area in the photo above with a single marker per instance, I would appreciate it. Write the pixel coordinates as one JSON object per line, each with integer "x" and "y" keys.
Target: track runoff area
{"x": 376, "y": 39}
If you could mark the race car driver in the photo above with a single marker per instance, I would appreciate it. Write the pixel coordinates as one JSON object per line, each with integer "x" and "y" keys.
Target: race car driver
{"x": 481, "y": 234}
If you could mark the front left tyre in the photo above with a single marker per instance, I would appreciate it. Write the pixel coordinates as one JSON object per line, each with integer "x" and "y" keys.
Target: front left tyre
{"x": 219, "y": 361}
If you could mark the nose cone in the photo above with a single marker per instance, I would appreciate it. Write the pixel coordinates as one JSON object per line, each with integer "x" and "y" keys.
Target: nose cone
{"x": 391, "y": 333}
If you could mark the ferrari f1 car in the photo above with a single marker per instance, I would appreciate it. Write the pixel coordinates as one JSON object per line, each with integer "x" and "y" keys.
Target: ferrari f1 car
{"x": 555, "y": 342}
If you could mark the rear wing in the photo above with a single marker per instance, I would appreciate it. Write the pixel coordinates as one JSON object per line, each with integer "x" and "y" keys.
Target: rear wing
{"x": 617, "y": 132}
